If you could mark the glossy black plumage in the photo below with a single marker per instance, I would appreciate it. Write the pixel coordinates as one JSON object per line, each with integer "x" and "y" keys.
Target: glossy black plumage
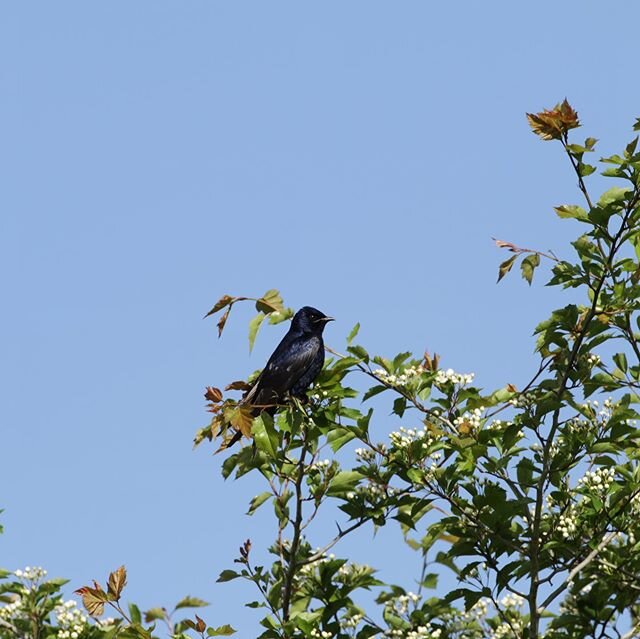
{"x": 292, "y": 367}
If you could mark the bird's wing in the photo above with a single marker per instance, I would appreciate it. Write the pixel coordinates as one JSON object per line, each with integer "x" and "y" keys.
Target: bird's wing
{"x": 289, "y": 362}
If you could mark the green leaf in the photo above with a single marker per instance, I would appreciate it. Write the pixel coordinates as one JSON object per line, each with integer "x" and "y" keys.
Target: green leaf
{"x": 430, "y": 581}
{"x": 590, "y": 143}
{"x": 227, "y": 575}
{"x": 621, "y": 361}
{"x": 360, "y": 352}
{"x": 265, "y": 435}
{"x": 191, "y": 602}
{"x": 630, "y": 149}
{"x": 614, "y": 194}
{"x": 257, "y": 501}
{"x": 374, "y": 390}
{"x": 254, "y": 325}
{"x": 344, "y": 482}
{"x": 153, "y": 614}
{"x": 338, "y": 437}
{"x": 134, "y": 613}
{"x": 277, "y": 317}
{"x": 270, "y": 302}
{"x": 505, "y": 267}
{"x": 221, "y": 631}
{"x": 529, "y": 265}
{"x": 525, "y": 470}
{"x": 353, "y": 333}
{"x": 586, "y": 169}
{"x": 571, "y": 211}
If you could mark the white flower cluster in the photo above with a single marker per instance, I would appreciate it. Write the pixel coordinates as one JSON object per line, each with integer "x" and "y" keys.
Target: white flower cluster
{"x": 310, "y": 568}
{"x": 424, "y": 632}
{"x": 365, "y": 454}
{"x": 579, "y": 426}
{"x": 568, "y": 524}
{"x": 398, "y": 380}
{"x": 321, "y": 634}
{"x": 400, "y": 604}
{"x": 507, "y": 629}
{"x": 321, "y": 465}
{"x": 373, "y": 492}
{"x": 473, "y": 419}
{"x": 478, "y": 610}
{"x": 497, "y": 424}
{"x": 443, "y": 377}
{"x": 421, "y": 632}
{"x": 31, "y": 574}
{"x": 512, "y": 601}
{"x": 318, "y": 396}
{"x": 599, "y": 479}
{"x": 403, "y": 437}
{"x": 604, "y": 413}
{"x": 71, "y": 620}
{"x": 11, "y": 610}
{"x": 348, "y": 569}
{"x": 351, "y": 621}
{"x": 105, "y": 623}
{"x": 593, "y": 359}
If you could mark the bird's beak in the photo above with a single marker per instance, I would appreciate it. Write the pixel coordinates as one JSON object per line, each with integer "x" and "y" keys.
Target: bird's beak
{"x": 326, "y": 318}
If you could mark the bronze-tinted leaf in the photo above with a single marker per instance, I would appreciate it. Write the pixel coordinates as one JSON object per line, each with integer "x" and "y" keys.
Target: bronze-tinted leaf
{"x": 213, "y": 394}
{"x": 222, "y": 321}
{"x": 238, "y": 385}
{"x": 201, "y": 626}
{"x": 93, "y": 599}
{"x": 242, "y": 419}
{"x": 553, "y": 124}
{"x": 117, "y": 581}
{"x": 225, "y": 300}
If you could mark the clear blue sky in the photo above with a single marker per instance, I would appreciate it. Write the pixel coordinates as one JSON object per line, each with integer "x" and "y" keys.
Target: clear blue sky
{"x": 356, "y": 155}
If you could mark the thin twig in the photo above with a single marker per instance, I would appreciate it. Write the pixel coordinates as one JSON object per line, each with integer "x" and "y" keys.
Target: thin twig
{"x": 606, "y": 540}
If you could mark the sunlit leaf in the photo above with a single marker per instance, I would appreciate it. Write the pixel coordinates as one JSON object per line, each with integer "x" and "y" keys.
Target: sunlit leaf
{"x": 270, "y": 302}
{"x": 153, "y": 614}
{"x": 117, "y": 581}
{"x": 221, "y": 631}
{"x": 225, "y": 300}
{"x": 241, "y": 418}
{"x": 505, "y": 267}
{"x": 257, "y": 501}
{"x": 528, "y": 266}
{"x": 254, "y": 325}
{"x": 191, "y": 602}
{"x": 353, "y": 333}
{"x": 554, "y": 124}
{"x": 571, "y": 211}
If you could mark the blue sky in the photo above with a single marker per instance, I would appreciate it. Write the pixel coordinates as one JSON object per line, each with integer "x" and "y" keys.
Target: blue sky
{"x": 358, "y": 156}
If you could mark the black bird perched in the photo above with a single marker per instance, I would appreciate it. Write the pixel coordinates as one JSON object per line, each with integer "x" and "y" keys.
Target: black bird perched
{"x": 293, "y": 366}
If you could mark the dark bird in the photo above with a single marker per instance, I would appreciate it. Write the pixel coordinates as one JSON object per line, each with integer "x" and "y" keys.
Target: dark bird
{"x": 293, "y": 366}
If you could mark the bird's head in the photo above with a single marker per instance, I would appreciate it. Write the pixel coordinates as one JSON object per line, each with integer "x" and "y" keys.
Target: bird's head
{"x": 310, "y": 320}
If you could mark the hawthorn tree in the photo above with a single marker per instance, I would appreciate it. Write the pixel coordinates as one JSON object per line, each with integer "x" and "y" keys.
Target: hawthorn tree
{"x": 528, "y": 497}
